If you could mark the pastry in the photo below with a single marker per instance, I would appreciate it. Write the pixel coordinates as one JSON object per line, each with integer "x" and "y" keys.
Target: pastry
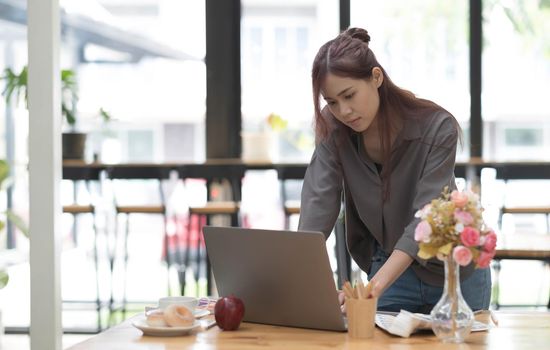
{"x": 178, "y": 316}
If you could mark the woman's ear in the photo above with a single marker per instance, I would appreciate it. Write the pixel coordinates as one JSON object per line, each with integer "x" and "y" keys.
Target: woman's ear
{"x": 378, "y": 76}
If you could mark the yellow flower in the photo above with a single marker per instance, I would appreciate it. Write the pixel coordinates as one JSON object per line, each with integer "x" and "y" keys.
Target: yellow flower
{"x": 276, "y": 122}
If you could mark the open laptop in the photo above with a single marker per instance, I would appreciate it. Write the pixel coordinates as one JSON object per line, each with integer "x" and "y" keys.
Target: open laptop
{"x": 283, "y": 277}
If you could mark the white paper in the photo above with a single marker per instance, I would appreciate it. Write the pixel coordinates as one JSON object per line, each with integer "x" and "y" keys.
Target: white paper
{"x": 405, "y": 323}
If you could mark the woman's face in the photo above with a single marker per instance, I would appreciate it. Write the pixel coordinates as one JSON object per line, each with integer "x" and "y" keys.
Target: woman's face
{"x": 354, "y": 102}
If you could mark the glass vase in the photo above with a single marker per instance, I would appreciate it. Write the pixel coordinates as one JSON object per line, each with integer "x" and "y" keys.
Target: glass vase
{"x": 452, "y": 318}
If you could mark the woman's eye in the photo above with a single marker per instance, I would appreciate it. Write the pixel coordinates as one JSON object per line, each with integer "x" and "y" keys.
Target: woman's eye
{"x": 330, "y": 103}
{"x": 347, "y": 97}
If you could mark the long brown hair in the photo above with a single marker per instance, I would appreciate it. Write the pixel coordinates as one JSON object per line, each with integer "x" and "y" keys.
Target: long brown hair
{"x": 349, "y": 56}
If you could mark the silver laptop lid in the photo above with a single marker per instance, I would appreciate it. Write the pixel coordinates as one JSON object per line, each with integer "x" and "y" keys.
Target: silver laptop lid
{"x": 283, "y": 277}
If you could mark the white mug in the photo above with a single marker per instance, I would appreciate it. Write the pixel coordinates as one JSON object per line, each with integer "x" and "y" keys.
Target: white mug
{"x": 189, "y": 302}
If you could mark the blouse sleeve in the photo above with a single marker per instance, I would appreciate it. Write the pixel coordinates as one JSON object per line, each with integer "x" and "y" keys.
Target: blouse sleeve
{"x": 438, "y": 172}
{"x": 322, "y": 189}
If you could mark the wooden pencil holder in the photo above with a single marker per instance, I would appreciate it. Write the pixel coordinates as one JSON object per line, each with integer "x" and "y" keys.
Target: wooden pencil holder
{"x": 361, "y": 313}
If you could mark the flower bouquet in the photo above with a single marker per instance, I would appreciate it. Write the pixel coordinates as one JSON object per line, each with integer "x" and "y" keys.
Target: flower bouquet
{"x": 453, "y": 224}
{"x": 452, "y": 229}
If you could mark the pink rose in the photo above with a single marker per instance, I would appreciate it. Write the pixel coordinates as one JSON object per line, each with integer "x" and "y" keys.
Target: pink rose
{"x": 490, "y": 242}
{"x": 463, "y": 217}
{"x": 469, "y": 237}
{"x": 462, "y": 255}
{"x": 459, "y": 198}
{"x": 423, "y": 231}
{"x": 484, "y": 259}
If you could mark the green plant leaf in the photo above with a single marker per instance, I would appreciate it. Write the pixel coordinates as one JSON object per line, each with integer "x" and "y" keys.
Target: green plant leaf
{"x": 17, "y": 84}
{"x": 69, "y": 115}
{"x": 18, "y": 222}
{"x": 4, "y": 170}
{"x": 105, "y": 115}
{"x": 4, "y": 278}
{"x": 6, "y": 183}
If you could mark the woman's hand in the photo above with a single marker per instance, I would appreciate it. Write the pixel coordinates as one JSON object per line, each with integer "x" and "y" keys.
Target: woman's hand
{"x": 374, "y": 288}
{"x": 373, "y": 291}
{"x": 342, "y": 301}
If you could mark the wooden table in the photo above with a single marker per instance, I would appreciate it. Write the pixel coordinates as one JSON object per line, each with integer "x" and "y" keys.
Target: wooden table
{"x": 516, "y": 330}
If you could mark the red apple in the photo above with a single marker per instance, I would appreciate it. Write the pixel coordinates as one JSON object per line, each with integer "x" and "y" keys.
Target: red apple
{"x": 229, "y": 312}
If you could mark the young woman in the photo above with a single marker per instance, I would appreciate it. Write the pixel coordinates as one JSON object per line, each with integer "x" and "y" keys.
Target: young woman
{"x": 390, "y": 153}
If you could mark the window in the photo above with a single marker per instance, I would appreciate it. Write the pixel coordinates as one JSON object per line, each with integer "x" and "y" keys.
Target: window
{"x": 523, "y": 137}
{"x": 423, "y": 45}
{"x": 278, "y": 44}
{"x": 516, "y": 79}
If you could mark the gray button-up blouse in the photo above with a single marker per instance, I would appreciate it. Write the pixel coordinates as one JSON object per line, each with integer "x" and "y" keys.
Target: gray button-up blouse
{"x": 423, "y": 160}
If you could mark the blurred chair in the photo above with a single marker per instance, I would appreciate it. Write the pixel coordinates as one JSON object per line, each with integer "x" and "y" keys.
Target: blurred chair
{"x": 141, "y": 174}
{"x": 521, "y": 244}
{"x": 531, "y": 210}
{"x": 86, "y": 176}
{"x": 519, "y": 174}
{"x": 534, "y": 247}
{"x": 285, "y": 174}
{"x": 223, "y": 199}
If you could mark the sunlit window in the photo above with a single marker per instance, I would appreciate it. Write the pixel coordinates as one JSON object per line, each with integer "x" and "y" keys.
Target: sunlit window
{"x": 516, "y": 79}
{"x": 423, "y": 45}
{"x": 278, "y": 44}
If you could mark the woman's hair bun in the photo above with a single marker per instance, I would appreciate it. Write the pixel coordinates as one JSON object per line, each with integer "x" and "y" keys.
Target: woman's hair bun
{"x": 358, "y": 33}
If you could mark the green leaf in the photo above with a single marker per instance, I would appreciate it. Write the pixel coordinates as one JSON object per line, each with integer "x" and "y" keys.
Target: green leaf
{"x": 17, "y": 84}
{"x": 105, "y": 115}
{"x": 4, "y": 278}
{"x": 4, "y": 170}
{"x": 69, "y": 115}
{"x": 18, "y": 222}
{"x": 6, "y": 183}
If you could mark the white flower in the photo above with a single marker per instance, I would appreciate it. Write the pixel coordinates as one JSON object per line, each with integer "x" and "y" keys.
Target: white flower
{"x": 422, "y": 213}
{"x": 459, "y": 227}
{"x": 472, "y": 197}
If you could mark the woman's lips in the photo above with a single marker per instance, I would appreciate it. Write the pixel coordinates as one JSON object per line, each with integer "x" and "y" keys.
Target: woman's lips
{"x": 354, "y": 122}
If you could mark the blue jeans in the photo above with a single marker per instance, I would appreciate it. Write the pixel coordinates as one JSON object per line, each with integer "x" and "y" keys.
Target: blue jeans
{"x": 410, "y": 293}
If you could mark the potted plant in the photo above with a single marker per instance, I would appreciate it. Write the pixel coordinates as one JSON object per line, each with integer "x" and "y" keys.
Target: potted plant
{"x": 7, "y": 216}
{"x": 4, "y": 217}
{"x": 73, "y": 144}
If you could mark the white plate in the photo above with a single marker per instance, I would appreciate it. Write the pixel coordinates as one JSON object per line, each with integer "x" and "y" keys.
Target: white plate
{"x": 198, "y": 313}
{"x": 142, "y": 325}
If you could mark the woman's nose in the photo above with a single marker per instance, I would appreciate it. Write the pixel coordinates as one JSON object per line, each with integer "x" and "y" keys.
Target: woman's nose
{"x": 345, "y": 109}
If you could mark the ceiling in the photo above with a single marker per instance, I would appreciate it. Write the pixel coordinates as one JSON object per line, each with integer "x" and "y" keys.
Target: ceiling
{"x": 89, "y": 29}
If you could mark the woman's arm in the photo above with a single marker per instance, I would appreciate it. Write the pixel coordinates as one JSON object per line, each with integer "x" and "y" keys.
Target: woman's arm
{"x": 322, "y": 190}
{"x": 396, "y": 264}
{"x": 438, "y": 172}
